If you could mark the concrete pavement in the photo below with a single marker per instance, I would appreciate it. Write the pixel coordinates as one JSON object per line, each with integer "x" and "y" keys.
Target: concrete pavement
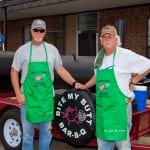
{"x": 57, "y": 145}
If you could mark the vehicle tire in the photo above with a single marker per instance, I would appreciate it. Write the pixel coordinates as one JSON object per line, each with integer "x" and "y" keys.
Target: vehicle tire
{"x": 11, "y": 130}
{"x": 75, "y": 116}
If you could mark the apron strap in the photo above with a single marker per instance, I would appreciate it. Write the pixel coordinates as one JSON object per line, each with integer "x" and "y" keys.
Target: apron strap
{"x": 100, "y": 57}
{"x": 30, "y": 57}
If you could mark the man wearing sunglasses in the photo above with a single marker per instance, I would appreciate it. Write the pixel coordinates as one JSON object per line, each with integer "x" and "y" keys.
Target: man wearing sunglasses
{"x": 36, "y": 60}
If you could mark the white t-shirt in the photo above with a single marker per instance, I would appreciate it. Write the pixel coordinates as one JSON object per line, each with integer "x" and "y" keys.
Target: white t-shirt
{"x": 126, "y": 63}
{"x": 21, "y": 58}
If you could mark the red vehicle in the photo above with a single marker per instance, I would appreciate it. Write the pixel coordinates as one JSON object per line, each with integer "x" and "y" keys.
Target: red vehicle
{"x": 74, "y": 110}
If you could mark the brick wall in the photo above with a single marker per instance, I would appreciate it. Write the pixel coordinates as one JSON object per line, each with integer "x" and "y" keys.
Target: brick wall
{"x": 15, "y": 29}
{"x": 136, "y": 19}
{"x": 15, "y": 33}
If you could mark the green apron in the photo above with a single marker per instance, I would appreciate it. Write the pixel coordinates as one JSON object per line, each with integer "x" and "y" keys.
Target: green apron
{"x": 111, "y": 109}
{"x": 38, "y": 91}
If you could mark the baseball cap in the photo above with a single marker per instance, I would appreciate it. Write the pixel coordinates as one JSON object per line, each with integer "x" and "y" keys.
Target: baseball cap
{"x": 109, "y": 30}
{"x": 38, "y": 23}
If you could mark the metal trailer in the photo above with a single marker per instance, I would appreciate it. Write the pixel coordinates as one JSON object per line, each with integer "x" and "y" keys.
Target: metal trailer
{"x": 81, "y": 67}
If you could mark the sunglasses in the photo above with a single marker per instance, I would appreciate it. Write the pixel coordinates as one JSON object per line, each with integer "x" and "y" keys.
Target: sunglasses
{"x": 39, "y": 30}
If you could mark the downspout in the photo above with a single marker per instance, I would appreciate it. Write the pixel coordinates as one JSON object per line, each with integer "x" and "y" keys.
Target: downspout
{"x": 5, "y": 28}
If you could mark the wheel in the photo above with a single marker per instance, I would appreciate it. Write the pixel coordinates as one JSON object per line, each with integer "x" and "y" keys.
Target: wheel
{"x": 11, "y": 130}
{"x": 75, "y": 116}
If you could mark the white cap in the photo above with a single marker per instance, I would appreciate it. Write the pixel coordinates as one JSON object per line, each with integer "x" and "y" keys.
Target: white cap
{"x": 38, "y": 23}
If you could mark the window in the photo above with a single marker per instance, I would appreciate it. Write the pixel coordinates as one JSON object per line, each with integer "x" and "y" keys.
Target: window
{"x": 120, "y": 25}
{"x": 87, "y": 21}
{"x": 87, "y": 34}
{"x": 26, "y": 34}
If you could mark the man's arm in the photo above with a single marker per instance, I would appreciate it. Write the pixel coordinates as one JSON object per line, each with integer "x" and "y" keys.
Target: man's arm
{"x": 65, "y": 75}
{"x": 135, "y": 79}
{"x": 91, "y": 82}
{"x": 15, "y": 83}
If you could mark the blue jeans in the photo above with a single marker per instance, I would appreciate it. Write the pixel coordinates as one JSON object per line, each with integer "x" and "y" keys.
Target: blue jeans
{"x": 121, "y": 145}
{"x": 45, "y": 135}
